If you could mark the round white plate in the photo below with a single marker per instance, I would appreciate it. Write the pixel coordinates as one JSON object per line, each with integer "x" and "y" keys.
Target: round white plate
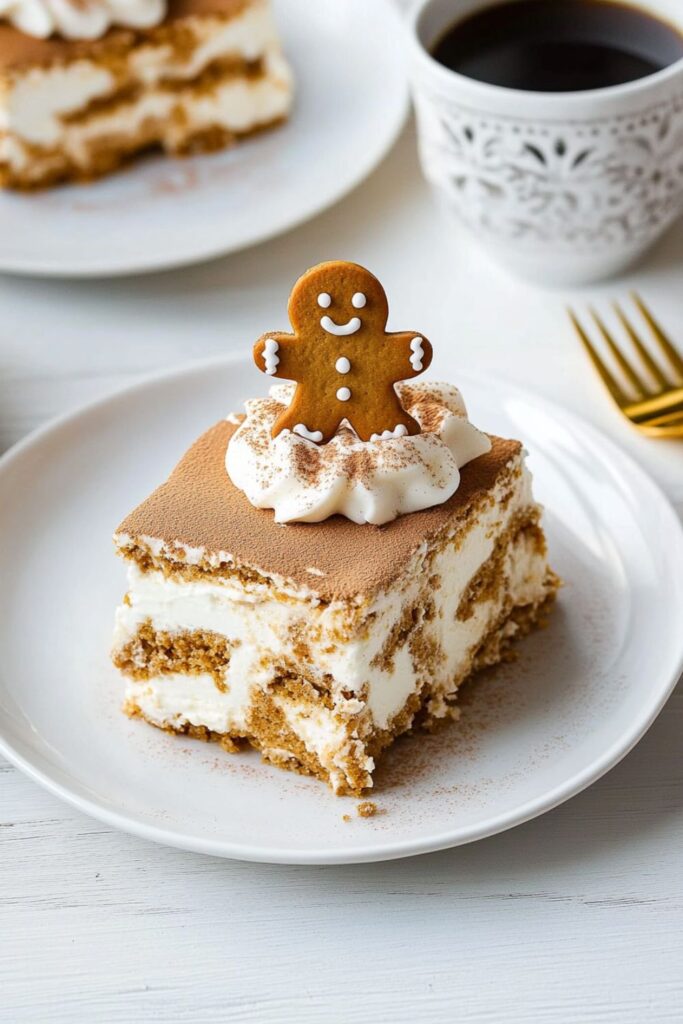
{"x": 532, "y": 734}
{"x": 351, "y": 100}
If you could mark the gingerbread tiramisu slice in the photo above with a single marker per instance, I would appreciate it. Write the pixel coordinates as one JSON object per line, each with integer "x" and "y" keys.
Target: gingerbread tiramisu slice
{"x": 112, "y": 78}
{"x": 316, "y": 600}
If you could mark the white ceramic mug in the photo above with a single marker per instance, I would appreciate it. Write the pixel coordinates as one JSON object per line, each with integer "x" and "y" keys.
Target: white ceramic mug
{"x": 562, "y": 188}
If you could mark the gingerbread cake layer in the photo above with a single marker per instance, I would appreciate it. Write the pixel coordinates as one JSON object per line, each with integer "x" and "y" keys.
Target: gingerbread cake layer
{"x": 210, "y": 74}
{"x": 319, "y": 644}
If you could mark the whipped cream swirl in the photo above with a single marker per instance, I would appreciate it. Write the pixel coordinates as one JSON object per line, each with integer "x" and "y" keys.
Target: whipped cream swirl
{"x": 80, "y": 19}
{"x": 366, "y": 481}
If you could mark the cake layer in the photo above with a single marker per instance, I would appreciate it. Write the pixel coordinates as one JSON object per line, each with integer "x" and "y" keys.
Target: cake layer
{"x": 193, "y": 84}
{"x": 342, "y": 675}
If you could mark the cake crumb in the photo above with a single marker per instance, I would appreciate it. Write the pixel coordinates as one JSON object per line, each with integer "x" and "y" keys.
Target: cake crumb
{"x": 346, "y": 817}
{"x": 366, "y": 809}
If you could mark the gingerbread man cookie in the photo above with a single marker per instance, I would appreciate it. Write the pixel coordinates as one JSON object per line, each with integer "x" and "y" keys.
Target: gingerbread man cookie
{"x": 343, "y": 360}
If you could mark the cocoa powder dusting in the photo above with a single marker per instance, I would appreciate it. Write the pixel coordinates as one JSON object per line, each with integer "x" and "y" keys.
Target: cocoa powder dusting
{"x": 430, "y": 416}
{"x": 359, "y": 465}
{"x": 309, "y": 464}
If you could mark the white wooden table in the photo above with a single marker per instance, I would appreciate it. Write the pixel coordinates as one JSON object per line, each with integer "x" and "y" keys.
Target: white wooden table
{"x": 575, "y": 917}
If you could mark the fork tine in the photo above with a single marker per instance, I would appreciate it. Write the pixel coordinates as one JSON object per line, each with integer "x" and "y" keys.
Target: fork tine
{"x": 665, "y": 346}
{"x": 647, "y": 360}
{"x": 669, "y": 420}
{"x": 664, "y": 426}
{"x": 636, "y": 383}
{"x": 608, "y": 380}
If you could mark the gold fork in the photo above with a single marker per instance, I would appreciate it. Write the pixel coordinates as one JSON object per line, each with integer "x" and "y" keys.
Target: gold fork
{"x": 654, "y": 408}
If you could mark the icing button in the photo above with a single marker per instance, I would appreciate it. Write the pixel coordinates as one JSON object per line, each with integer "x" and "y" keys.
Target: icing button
{"x": 344, "y": 394}
{"x": 342, "y": 365}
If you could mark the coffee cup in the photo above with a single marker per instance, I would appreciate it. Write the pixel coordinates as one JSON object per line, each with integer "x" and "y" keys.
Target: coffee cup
{"x": 560, "y": 187}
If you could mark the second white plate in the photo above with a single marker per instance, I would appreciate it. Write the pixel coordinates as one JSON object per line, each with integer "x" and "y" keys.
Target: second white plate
{"x": 351, "y": 100}
{"x": 533, "y": 734}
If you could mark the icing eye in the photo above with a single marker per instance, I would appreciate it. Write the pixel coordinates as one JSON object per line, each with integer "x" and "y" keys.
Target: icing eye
{"x": 324, "y": 300}
{"x": 358, "y": 301}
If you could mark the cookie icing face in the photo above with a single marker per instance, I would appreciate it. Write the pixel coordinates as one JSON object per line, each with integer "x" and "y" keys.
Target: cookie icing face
{"x": 329, "y": 302}
{"x": 340, "y": 330}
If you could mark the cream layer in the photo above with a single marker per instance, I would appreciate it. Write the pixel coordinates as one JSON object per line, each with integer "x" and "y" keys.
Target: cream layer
{"x": 175, "y": 700}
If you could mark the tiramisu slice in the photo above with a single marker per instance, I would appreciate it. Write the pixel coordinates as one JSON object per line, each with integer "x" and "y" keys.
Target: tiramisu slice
{"x": 263, "y": 605}
{"x": 112, "y": 78}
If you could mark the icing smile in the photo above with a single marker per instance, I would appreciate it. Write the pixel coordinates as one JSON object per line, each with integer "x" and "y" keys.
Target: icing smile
{"x": 340, "y": 329}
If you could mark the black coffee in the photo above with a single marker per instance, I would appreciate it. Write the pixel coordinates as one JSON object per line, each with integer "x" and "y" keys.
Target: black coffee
{"x": 559, "y": 45}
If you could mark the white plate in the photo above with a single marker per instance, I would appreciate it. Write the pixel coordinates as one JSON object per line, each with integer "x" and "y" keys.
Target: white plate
{"x": 351, "y": 101}
{"x": 536, "y": 732}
